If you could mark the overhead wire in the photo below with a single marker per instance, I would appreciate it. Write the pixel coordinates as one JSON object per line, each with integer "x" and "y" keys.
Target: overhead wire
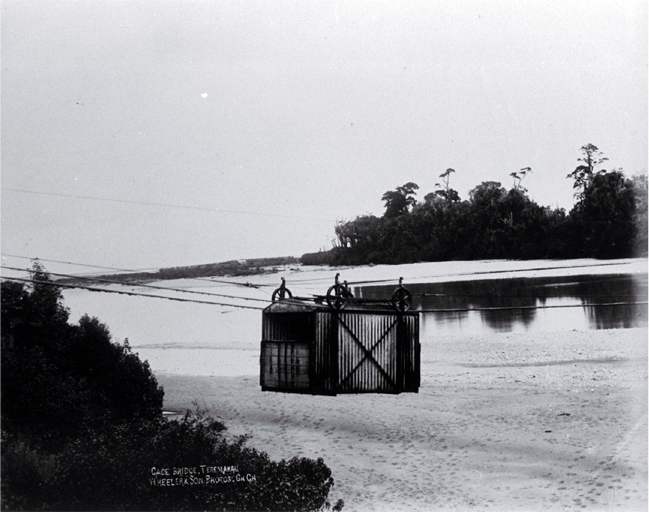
{"x": 220, "y": 210}
{"x": 552, "y": 306}
{"x": 163, "y": 205}
{"x": 142, "y": 285}
{"x": 77, "y": 264}
{"x": 313, "y": 280}
{"x": 210, "y": 280}
{"x": 486, "y": 272}
{"x": 396, "y": 280}
{"x": 438, "y": 310}
{"x": 123, "y": 292}
{"x": 515, "y": 296}
{"x": 301, "y": 300}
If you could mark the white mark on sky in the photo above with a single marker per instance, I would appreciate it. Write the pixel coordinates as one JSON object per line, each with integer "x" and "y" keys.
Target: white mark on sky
{"x": 204, "y": 95}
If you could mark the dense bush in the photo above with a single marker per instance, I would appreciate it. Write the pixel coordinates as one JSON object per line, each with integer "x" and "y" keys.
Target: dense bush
{"x": 118, "y": 468}
{"x": 316, "y": 258}
{"x": 605, "y": 216}
{"x": 58, "y": 378}
{"x": 609, "y": 220}
{"x": 82, "y": 427}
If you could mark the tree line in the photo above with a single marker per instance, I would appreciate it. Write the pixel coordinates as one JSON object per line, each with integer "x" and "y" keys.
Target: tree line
{"x": 608, "y": 220}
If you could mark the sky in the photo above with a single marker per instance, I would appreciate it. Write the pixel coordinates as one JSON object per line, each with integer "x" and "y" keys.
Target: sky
{"x": 141, "y": 134}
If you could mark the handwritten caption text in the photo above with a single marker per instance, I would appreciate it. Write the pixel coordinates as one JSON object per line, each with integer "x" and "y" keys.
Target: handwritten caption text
{"x": 197, "y": 475}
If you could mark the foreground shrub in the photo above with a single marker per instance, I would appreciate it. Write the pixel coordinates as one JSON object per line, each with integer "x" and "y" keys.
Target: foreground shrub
{"x": 58, "y": 378}
{"x": 160, "y": 465}
{"x": 82, "y": 427}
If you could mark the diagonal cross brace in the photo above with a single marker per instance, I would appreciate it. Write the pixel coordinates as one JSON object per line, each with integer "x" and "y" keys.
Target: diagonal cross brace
{"x": 368, "y": 353}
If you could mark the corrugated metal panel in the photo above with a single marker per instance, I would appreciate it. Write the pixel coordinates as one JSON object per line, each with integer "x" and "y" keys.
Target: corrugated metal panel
{"x": 286, "y": 362}
{"x": 325, "y": 369}
{"x": 367, "y": 353}
{"x": 286, "y": 365}
{"x": 409, "y": 352}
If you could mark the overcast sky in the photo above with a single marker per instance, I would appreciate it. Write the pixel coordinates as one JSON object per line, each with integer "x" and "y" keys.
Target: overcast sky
{"x": 138, "y": 134}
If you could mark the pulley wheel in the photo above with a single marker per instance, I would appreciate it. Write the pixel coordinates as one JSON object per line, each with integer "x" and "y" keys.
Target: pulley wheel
{"x": 282, "y": 293}
{"x": 337, "y": 296}
{"x": 401, "y": 299}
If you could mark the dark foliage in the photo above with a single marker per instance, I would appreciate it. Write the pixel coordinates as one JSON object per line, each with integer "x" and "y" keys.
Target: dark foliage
{"x": 609, "y": 220}
{"x": 59, "y": 378}
{"x": 118, "y": 468}
{"x": 605, "y": 216}
{"x": 82, "y": 427}
{"x": 398, "y": 201}
{"x": 316, "y": 258}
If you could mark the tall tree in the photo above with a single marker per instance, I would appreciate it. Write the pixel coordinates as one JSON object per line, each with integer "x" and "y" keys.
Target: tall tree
{"x": 447, "y": 192}
{"x": 398, "y": 201}
{"x": 519, "y": 176}
{"x": 583, "y": 174}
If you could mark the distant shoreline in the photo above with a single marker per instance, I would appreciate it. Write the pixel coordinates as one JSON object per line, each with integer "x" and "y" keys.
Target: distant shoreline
{"x": 232, "y": 268}
{"x": 265, "y": 266}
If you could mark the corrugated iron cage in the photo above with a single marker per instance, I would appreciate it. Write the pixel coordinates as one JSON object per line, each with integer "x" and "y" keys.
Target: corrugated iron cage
{"x": 309, "y": 348}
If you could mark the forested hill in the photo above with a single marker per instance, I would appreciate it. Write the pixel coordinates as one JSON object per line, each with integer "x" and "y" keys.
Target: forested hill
{"x": 226, "y": 268}
{"x": 609, "y": 220}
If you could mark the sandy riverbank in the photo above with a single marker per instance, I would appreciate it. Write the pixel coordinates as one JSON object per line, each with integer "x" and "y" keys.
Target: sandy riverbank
{"x": 508, "y": 422}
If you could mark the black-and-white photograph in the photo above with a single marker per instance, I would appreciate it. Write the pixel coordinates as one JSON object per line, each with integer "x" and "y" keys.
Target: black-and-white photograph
{"x": 324, "y": 255}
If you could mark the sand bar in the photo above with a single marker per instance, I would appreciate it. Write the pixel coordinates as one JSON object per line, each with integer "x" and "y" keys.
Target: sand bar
{"x": 533, "y": 421}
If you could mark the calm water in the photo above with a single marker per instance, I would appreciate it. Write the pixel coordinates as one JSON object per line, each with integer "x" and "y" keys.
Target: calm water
{"x": 543, "y": 303}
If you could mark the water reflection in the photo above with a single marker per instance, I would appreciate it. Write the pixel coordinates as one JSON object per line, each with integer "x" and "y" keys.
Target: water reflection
{"x": 523, "y": 304}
